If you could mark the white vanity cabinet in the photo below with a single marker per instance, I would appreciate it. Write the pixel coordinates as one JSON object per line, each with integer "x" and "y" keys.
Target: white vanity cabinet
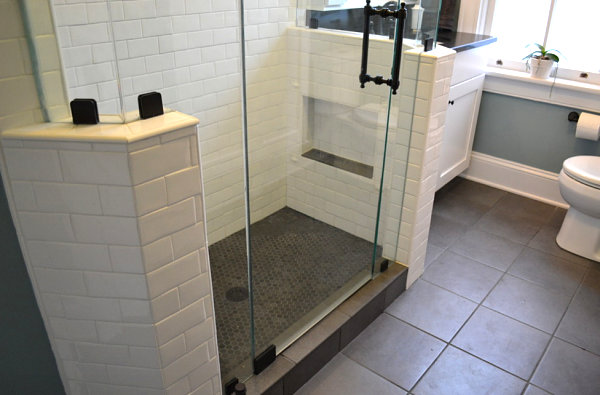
{"x": 461, "y": 117}
{"x": 461, "y": 120}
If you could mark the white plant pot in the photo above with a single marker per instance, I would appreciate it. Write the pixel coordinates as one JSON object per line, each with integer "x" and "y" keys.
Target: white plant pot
{"x": 541, "y": 68}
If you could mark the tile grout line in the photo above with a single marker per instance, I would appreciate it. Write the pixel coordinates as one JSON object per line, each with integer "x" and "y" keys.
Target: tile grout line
{"x": 553, "y": 335}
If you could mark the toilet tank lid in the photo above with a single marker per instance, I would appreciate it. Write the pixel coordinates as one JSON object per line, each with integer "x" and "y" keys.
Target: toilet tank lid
{"x": 584, "y": 168}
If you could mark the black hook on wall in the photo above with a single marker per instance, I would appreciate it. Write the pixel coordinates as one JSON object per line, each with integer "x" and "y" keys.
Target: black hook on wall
{"x": 573, "y": 116}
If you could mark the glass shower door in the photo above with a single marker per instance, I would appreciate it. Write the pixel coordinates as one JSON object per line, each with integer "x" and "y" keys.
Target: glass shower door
{"x": 316, "y": 146}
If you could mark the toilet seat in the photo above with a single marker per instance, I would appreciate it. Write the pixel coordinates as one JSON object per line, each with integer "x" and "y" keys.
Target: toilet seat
{"x": 585, "y": 169}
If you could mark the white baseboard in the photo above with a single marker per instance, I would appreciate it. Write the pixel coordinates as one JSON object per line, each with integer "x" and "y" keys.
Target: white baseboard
{"x": 515, "y": 177}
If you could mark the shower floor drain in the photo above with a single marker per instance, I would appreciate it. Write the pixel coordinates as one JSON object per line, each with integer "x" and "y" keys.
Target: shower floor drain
{"x": 236, "y": 294}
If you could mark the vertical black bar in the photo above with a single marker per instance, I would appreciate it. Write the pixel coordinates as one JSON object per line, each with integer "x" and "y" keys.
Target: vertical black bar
{"x": 398, "y": 48}
{"x": 365, "y": 44}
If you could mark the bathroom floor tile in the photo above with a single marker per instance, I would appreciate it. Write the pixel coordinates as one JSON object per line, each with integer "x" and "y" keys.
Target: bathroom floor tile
{"x": 503, "y": 342}
{"x": 432, "y": 309}
{"x": 344, "y": 376}
{"x": 444, "y": 232}
{"x": 567, "y": 369}
{"x": 547, "y": 270}
{"x": 533, "y": 390}
{"x": 462, "y": 275}
{"x": 456, "y": 372}
{"x": 433, "y": 252}
{"x": 457, "y": 208}
{"x": 503, "y": 223}
{"x": 557, "y": 218}
{"x": 581, "y": 324}
{"x": 474, "y": 192}
{"x": 394, "y": 350}
{"x": 528, "y": 302}
{"x": 489, "y": 249}
{"x": 545, "y": 240}
{"x": 525, "y": 208}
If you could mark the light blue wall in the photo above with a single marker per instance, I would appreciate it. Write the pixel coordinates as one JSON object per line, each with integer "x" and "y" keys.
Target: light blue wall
{"x": 528, "y": 132}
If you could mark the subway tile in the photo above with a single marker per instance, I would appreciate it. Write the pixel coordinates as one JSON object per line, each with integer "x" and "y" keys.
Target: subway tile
{"x": 30, "y": 164}
{"x": 180, "y": 322}
{"x": 167, "y": 220}
{"x": 78, "y": 330}
{"x": 138, "y": 9}
{"x": 159, "y": 160}
{"x": 127, "y": 30}
{"x": 144, "y": 357}
{"x": 109, "y": 230}
{"x": 143, "y": 47}
{"x": 157, "y": 254}
{"x": 136, "y": 377}
{"x": 194, "y": 289}
{"x": 126, "y": 333}
{"x": 183, "y": 184}
{"x": 165, "y": 305}
{"x": 188, "y": 240}
{"x": 65, "y": 282}
{"x": 126, "y": 259}
{"x": 53, "y": 305}
{"x": 116, "y": 285}
{"x": 199, "y": 334}
{"x": 23, "y": 196}
{"x": 68, "y": 255}
{"x": 67, "y": 198}
{"x": 172, "y": 350}
{"x": 109, "y": 168}
{"x": 185, "y": 364}
{"x": 89, "y": 34}
{"x": 117, "y": 201}
{"x": 86, "y": 308}
{"x": 172, "y": 275}
{"x": 102, "y": 353}
{"x": 136, "y": 311}
{"x": 150, "y": 196}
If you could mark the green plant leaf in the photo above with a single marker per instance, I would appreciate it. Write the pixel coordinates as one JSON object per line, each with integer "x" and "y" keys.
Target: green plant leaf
{"x": 552, "y": 56}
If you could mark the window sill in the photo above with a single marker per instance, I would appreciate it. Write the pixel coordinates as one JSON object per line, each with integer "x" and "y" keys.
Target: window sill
{"x": 564, "y": 93}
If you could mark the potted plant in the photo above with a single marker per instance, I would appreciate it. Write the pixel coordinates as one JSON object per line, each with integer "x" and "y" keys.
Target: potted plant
{"x": 540, "y": 61}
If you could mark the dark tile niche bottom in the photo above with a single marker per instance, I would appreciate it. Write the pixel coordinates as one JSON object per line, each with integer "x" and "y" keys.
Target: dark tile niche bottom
{"x": 307, "y": 355}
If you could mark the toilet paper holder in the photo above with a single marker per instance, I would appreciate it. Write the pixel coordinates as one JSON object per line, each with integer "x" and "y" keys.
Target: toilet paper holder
{"x": 573, "y": 116}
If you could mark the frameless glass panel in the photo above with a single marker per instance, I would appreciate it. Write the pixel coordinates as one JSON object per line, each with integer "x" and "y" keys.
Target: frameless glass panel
{"x": 316, "y": 149}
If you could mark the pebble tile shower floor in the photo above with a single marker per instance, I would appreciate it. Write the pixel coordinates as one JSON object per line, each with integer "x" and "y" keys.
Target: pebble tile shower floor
{"x": 500, "y": 309}
{"x": 297, "y": 263}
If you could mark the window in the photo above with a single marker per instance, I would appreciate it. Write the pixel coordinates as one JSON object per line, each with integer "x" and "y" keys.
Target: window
{"x": 569, "y": 26}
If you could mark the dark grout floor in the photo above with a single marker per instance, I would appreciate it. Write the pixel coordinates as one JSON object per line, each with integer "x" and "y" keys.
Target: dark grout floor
{"x": 500, "y": 309}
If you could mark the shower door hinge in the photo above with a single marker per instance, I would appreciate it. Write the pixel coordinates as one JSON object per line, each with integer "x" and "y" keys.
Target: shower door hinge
{"x": 264, "y": 359}
{"x": 381, "y": 265}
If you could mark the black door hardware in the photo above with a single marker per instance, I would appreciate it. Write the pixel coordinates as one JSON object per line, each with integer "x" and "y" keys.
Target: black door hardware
{"x": 400, "y": 15}
{"x": 451, "y": 102}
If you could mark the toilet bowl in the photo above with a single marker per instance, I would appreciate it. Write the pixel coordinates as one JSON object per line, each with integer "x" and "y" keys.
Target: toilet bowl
{"x": 579, "y": 183}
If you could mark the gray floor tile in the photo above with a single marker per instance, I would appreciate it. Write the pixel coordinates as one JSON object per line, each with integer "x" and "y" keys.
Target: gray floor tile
{"x": 433, "y": 252}
{"x": 444, "y": 232}
{"x": 503, "y": 223}
{"x": 528, "y": 302}
{"x": 344, "y": 376}
{"x": 503, "y": 342}
{"x": 522, "y": 207}
{"x": 545, "y": 240}
{"x": 544, "y": 269}
{"x": 462, "y": 275}
{"x": 487, "y": 248}
{"x": 567, "y": 369}
{"x": 394, "y": 350}
{"x": 457, "y": 208}
{"x": 581, "y": 324}
{"x": 432, "y": 309}
{"x": 533, "y": 390}
{"x": 557, "y": 218}
{"x": 474, "y": 191}
{"x": 457, "y": 372}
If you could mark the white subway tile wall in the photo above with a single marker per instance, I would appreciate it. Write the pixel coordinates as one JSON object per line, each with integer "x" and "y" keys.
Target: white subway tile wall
{"x": 121, "y": 273}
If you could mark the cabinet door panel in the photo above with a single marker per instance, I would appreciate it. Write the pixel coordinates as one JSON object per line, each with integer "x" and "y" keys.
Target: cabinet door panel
{"x": 459, "y": 131}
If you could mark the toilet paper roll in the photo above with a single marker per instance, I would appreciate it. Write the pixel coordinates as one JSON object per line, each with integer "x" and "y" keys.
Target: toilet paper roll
{"x": 588, "y": 127}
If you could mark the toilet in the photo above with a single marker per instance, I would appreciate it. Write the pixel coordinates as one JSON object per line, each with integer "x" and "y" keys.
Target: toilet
{"x": 579, "y": 183}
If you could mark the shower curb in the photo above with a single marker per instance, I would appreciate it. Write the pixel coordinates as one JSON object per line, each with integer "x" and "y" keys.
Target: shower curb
{"x": 307, "y": 355}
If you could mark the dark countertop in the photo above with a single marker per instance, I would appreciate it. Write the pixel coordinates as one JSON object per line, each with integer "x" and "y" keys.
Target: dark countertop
{"x": 460, "y": 41}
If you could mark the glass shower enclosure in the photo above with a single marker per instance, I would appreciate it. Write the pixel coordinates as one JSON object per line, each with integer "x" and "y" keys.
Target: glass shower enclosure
{"x": 303, "y": 169}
